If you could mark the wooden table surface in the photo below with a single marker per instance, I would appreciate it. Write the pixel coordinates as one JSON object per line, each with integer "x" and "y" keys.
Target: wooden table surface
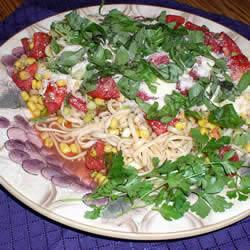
{"x": 236, "y": 9}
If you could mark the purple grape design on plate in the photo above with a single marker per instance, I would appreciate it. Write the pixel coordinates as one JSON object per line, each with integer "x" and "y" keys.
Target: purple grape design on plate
{"x": 26, "y": 149}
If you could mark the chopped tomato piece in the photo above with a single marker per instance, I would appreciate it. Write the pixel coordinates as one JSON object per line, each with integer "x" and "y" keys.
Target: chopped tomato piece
{"x": 229, "y": 47}
{"x": 94, "y": 159}
{"x": 192, "y": 26}
{"x": 179, "y": 20}
{"x": 238, "y": 65}
{"x": 228, "y": 148}
{"x": 106, "y": 89}
{"x": 215, "y": 133}
{"x": 36, "y": 47}
{"x": 54, "y": 97}
{"x": 159, "y": 58}
{"x": 78, "y": 103}
{"x": 144, "y": 96}
{"x": 193, "y": 74}
{"x": 70, "y": 154}
{"x": 211, "y": 40}
{"x": 182, "y": 91}
{"x": 26, "y": 84}
{"x": 159, "y": 127}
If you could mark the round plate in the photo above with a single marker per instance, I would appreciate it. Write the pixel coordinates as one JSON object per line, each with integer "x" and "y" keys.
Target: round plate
{"x": 44, "y": 196}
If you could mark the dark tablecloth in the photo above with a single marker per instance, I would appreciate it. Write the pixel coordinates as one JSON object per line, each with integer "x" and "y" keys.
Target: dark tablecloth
{"x": 21, "y": 228}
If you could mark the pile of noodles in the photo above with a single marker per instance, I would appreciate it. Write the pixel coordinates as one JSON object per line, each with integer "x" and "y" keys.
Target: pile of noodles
{"x": 137, "y": 152}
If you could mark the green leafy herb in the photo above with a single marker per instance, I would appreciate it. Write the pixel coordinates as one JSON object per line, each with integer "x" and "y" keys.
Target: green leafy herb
{"x": 226, "y": 117}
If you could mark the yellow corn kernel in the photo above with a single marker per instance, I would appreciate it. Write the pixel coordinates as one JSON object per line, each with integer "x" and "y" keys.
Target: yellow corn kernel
{"x": 31, "y": 45}
{"x": 88, "y": 117}
{"x": 99, "y": 102}
{"x": 60, "y": 119}
{"x": 18, "y": 64}
{"x": 38, "y": 84}
{"x": 40, "y": 100}
{"x": 247, "y": 148}
{"x": 24, "y": 75}
{"x": 99, "y": 178}
{"x": 48, "y": 142}
{"x": 144, "y": 133}
{"x": 34, "y": 98}
{"x": 36, "y": 113}
{"x": 46, "y": 75}
{"x": 66, "y": 111}
{"x": 91, "y": 105}
{"x": 30, "y": 60}
{"x": 114, "y": 124}
{"x": 40, "y": 107}
{"x": 204, "y": 131}
{"x": 44, "y": 135}
{"x": 114, "y": 131}
{"x": 38, "y": 77}
{"x": 114, "y": 150}
{"x": 137, "y": 132}
{"x": 180, "y": 125}
{"x": 34, "y": 84}
{"x": 108, "y": 148}
{"x": 25, "y": 96}
{"x": 93, "y": 152}
{"x": 64, "y": 148}
{"x": 74, "y": 148}
{"x": 211, "y": 125}
{"x": 44, "y": 112}
{"x": 203, "y": 122}
{"x": 61, "y": 83}
{"x": 32, "y": 106}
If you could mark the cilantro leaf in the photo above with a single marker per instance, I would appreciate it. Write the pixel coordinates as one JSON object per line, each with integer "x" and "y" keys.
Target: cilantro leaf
{"x": 226, "y": 117}
{"x": 122, "y": 56}
{"x": 243, "y": 83}
{"x": 217, "y": 202}
{"x": 93, "y": 214}
{"x": 201, "y": 208}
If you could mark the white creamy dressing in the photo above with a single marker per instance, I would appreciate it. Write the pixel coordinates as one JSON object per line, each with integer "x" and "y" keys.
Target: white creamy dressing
{"x": 163, "y": 89}
{"x": 79, "y": 70}
{"x": 72, "y": 48}
{"x": 242, "y": 103}
{"x": 186, "y": 81}
{"x": 203, "y": 66}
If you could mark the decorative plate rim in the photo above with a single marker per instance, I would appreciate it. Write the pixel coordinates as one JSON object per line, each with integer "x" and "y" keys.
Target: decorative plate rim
{"x": 115, "y": 233}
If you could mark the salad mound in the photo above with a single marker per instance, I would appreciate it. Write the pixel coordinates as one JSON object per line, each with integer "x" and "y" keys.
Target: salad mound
{"x": 148, "y": 110}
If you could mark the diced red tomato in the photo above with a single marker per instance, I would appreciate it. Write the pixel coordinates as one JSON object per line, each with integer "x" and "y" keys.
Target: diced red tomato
{"x": 159, "y": 58}
{"x": 192, "y": 26}
{"x": 144, "y": 96}
{"x": 39, "y": 42}
{"x": 54, "y": 97}
{"x": 179, "y": 20}
{"x": 229, "y": 47}
{"x": 238, "y": 65}
{"x": 193, "y": 74}
{"x": 211, "y": 40}
{"x": 215, "y": 133}
{"x": 70, "y": 154}
{"x": 182, "y": 91}
{"x": 159, "y": 127}
{"x": 228, "y": 148}
{"x": 106, "y": 89}
{"x": 78, "y": 103}
{"x": 25, "y": 85}
{"x": 94, "y": 159}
